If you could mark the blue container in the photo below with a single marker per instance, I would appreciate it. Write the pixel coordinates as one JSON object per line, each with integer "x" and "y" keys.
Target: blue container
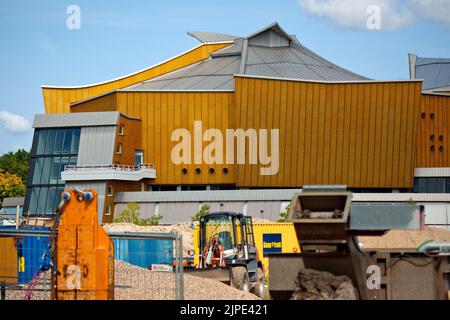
{"x": 144, "y": 252}
{"x": 29, "y": 252}
{"x": 2, "y": 227}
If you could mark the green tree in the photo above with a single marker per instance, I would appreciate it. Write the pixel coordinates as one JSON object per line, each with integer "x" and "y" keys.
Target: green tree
{"x": 204, "y": 209}
{"x": 284, "y": 216}
{"x": 10, "y": 186}
{"x": 16, "y": 163}
{"x": 131, "y": 215}
{"x": 155, "y": 219}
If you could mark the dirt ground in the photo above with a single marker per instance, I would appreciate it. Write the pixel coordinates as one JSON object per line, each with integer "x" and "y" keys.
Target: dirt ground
{"x": 319, "y": 285}
{"x": 136, "y": 283}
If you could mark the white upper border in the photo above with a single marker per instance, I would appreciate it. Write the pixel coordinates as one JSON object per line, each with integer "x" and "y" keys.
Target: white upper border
{"x": 325, "y": 81}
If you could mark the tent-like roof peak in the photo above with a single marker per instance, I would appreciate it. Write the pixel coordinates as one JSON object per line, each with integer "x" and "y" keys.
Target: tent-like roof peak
{"x": 272, "y": 31}
{"x": 269, "y": 52}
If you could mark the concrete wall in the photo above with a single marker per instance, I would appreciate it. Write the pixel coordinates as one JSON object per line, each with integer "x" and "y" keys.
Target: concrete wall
{"x": 437, "y": 213}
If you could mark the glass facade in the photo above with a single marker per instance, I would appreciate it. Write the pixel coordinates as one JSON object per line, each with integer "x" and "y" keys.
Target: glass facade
{"x": 432, "y": 185}
{"x": 52, "y": 150}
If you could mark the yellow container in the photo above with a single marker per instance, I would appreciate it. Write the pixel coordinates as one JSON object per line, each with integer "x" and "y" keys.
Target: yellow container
{"x": 269, "y": 237}
{"x": 8, "y": 260}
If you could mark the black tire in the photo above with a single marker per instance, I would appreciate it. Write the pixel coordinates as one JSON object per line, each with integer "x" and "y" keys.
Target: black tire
{"x": 239, "y": 278}
{"x": 259, "y": 288}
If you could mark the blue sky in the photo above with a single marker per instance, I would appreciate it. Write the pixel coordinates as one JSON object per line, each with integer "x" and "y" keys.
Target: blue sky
{"x": 118, "y": 38}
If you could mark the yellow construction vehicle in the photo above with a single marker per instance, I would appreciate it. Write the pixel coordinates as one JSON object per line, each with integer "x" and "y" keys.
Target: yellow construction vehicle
{"x": 227, "y": 252}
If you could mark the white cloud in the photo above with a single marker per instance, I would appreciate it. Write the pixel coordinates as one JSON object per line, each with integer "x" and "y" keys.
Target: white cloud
{"x": 432, "y": 9}
{"x": 14, "y": 123}
{"x": 394, "y": 14}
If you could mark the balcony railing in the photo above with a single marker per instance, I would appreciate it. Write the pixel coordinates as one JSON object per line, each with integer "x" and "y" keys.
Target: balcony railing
{"x": 108, "y": 172}
{"x": 114, "y": 167}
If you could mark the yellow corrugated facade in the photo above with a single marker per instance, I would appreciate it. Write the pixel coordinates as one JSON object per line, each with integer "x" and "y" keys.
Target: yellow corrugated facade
{"x": 358, "y": 134}
{"x": 433, "y": 145}
{"x": 163, "y": 112}
{"x": 361, "y": 134}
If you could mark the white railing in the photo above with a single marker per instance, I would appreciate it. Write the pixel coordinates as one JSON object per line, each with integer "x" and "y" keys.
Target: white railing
{"x": 110, "y": 167}
{"x": 108, "y": 172}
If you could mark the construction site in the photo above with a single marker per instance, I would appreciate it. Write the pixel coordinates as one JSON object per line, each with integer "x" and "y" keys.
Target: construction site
{"x": 246, "y": 168}
{"x": 326, "y": 251}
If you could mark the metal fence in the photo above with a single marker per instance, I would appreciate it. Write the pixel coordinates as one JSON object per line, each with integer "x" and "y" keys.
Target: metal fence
{"x": 148, "y": 266}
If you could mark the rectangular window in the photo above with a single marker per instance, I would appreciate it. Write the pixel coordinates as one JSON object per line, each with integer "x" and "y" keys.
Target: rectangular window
{"x": 108, "y": 210}
{"x": 432, "y": 185}
{"x": 45, "y": 173}
{"x": 138, "y": 158}
{"x": 67, "y": 141}
{"x": 42, "y": 201}
{"x": 119, "y": 148}
{"x": 110, "y": 191}
{"x": 51, "y": 200}
{"x": 55, "y": 171}
{"x": 34, "y": 198}
{"x": 42, "y": 138}
{"x": 49, "y": 145}
{"x": 75, "y": 141}
{"x": 37, "y": 165}
{"x": 59, "y": 141}
{"x": 121, "y": 130}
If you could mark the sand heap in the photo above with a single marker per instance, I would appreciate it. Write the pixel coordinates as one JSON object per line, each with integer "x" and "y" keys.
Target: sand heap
{"x": 184, "y": 228}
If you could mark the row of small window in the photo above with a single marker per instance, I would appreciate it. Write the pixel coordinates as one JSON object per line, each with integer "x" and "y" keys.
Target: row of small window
{"x": 43, "y": 200}
{"x": 56, "y": 141}
{"x": 47, "y": 170}
{"x": 432, "y": 185}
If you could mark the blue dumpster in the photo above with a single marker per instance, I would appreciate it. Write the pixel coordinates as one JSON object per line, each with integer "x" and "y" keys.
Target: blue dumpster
{"x": 29, "y": 252}
{"x": 144, "y": 252}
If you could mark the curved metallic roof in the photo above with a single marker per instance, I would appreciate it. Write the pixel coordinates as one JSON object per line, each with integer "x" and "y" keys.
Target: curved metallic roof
{"x": 270, "y": 52}
{"x": 435, "y": 72}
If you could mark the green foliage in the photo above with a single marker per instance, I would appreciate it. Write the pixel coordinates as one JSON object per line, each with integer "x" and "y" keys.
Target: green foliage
{"x": 284, "y": 216}
{"x": 16, "y": 163}
{"x": 131, "y": 215}
{"x": 13, "y": 174}
{"x": 204, "y": 209}
{"x": 155, "y": 220}
{"x": 10, "y": 186}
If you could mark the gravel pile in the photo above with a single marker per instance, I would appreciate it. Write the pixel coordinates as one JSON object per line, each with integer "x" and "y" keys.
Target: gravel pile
{"x": 319, "y": 285}
{"x": 136, "y": 283}
{"x": 143, "y": 284}
{"x": 184, "y": 228}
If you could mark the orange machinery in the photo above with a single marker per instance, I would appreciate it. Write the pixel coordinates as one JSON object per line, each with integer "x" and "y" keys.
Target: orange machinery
{"x": 84, "y": 255}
